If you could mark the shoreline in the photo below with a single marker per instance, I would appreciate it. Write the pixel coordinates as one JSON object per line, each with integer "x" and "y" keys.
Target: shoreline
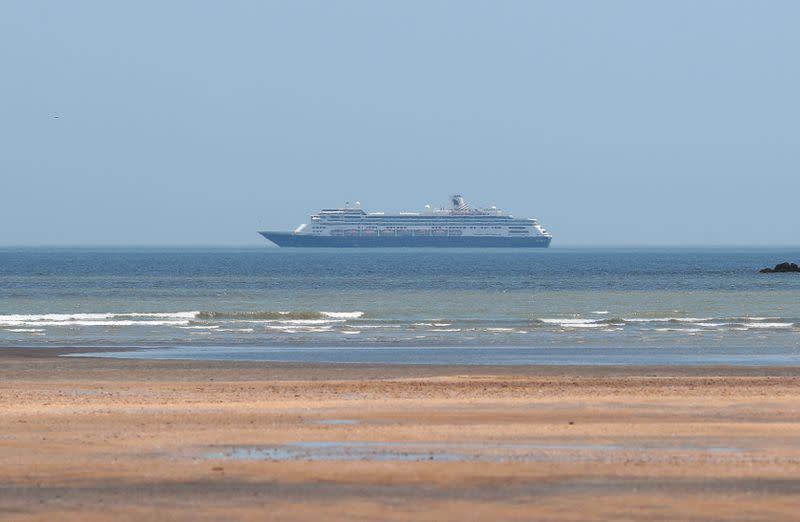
{"x": 353, "y": 370}
{"x": 447, "y": 356}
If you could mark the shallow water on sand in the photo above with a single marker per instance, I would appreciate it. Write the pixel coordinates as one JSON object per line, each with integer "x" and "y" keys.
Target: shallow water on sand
{"x": 453, "y": 452}
{"x": 470, "y": 355}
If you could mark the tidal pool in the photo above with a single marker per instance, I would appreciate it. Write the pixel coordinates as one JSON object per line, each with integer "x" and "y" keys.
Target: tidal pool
{"x": 443, "y": 451}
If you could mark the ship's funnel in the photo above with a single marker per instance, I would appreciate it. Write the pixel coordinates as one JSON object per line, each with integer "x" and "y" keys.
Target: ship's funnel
{"x": 458, "y": 202}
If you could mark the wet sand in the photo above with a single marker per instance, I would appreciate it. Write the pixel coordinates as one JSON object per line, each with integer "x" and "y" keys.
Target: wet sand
{"x": 103, "y": 439}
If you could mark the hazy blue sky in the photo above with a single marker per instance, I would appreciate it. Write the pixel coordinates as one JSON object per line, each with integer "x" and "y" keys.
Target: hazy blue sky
{"x": 188, "y": 122}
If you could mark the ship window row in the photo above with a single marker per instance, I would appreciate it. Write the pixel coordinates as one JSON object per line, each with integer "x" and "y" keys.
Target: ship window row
{"x": 413, "y": 218}
{"x": 321, "y": 228}
{"x": 434, "y": 225}
{"x": 431, "y": 223}
{"x": 410, "y": 218}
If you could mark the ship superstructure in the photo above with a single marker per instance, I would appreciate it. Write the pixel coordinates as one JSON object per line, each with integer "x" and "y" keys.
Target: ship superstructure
{"x": 457, "y": 226}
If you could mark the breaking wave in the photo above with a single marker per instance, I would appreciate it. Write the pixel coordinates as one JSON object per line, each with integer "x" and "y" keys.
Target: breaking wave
{"x": 298, "y": 327}
{"x": 187, "y": 319}
{"x": 98, "y": 319}
{"x": 704, "y": 322}
{"x": 278, "y": 316}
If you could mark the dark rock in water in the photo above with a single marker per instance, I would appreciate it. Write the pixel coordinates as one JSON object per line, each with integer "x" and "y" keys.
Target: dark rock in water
{"x": 781, "y": 267}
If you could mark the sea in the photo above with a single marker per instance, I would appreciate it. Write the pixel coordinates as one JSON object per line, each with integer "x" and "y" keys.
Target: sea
{"x": 541, "y": 306}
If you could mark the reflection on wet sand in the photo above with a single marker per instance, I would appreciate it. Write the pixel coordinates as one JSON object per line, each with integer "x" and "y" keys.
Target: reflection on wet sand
{"x": 92, "y": 439}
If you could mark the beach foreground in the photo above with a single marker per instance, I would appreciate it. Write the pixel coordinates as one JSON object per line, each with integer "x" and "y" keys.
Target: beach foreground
{"x": 101, "y": 439}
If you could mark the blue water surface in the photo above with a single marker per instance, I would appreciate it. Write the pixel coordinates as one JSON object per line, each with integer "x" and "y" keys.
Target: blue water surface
{"x": 643, "y": 301}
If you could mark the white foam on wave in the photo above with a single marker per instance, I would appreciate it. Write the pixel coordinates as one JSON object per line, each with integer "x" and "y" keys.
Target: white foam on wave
{"x": 714, "y": 321}
{"x": 95, "y": 316}
{"x": 299, "y": 328}
{"x": 343, "y": 315}
{"x": 25, "y": 330}
{"x": 568, "y": 321}
{"x": 668, "y": 319}
{"x": 768, "y": 325}
{"x": 53, "y": 317}
{"x": 200, "y": 327}
{"x": 99, "y": 319}
{"x": 300, "y": 322}
{"x": 684, "y": 330}
{"x": 363, "y": 326}
{"x": 573, "y": 323}
{"x": 600, "y": 312}
{"x": 305, "y": 321}
{"x": 102, "y": 323}
{"x": 165, "y": 315}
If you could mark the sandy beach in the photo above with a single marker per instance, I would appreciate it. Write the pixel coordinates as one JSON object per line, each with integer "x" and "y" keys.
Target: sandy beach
{"x": 100, "y": 439}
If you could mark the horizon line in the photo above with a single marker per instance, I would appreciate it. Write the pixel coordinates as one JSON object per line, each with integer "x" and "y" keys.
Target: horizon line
{"x": 270, "y": 246}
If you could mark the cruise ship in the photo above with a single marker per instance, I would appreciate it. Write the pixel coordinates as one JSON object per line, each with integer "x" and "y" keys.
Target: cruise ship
{"x": 457, "y": 226}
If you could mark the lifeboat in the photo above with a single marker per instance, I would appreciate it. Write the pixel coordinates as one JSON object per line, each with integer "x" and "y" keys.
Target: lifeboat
{"x": 422, "y": 232}
{"x": 387, "y": 232}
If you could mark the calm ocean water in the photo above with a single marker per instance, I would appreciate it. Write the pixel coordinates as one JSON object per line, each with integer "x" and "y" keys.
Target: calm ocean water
{"x": 557, "y": 305}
